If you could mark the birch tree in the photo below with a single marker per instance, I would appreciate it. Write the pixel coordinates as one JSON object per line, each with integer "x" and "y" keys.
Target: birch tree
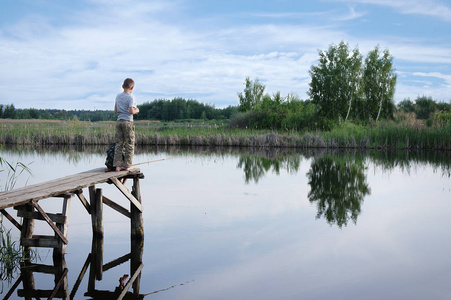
{"x": 353, "y": 73}
{"x": 379, "y": 81}
{"x": 336, "y": 80}
{"x": 252, "y": 96}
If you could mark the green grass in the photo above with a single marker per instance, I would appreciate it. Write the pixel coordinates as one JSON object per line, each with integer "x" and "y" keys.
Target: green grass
{"x": 384, "y": 134}
{"x": 12, "y": 255}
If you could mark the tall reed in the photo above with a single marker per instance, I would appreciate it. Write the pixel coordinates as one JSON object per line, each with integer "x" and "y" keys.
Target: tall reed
{"x": 387, "y": 135}
{"x": 12, "y": 255}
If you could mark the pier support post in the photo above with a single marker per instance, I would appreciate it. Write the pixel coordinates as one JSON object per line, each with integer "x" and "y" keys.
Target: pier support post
{"x": 96, "y": 271}
{"x": 137, "y": 249}
{"x": 27, "y": 229}
{"x": 63, "y": 227}
{"x": 136, "y": 222}
{"x": 95, "y": 196}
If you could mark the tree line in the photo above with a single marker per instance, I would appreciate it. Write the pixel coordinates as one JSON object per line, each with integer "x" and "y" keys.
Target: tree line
{"x": 10, "y": 112}
{"x": 273, "y": 112}
{"x": 182, "y": 109}
{"x": 161, "y": 109}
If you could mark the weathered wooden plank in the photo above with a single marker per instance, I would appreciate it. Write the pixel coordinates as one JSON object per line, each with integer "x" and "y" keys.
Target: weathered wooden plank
{"x": 40, "y": 236}
{"x": 130, "y": 282}
{"x": 11, "y": 219}
{"x": 116, "y": 262}
{"x": 58, "y": 284}
{"x": 40, "y": 268}
{"x": 13, "y": 288}
{"x": 80, "y": 277}
{"x": 72, "y": 179}
{"x": 127, "y": 193}
{"x": 39, "y": 242}
{"x": 57, "y": 218}
{"x": 28, "y": 294}
{"x": 60, "y": 186}
{"x": 57, "y": 231}
{"x": 116, "y": 207}
{"x": 47, "y": 190}
{"x": 84, "y": 201}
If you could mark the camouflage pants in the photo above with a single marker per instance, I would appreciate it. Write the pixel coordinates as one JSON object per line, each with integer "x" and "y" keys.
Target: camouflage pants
{"x": 125, "y": 144}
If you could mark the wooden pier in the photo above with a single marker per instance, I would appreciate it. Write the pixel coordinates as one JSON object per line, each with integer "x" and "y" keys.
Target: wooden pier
{"x": 26, "y": 202}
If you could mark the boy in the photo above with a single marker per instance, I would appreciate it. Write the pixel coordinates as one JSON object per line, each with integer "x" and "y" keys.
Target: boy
{"x": 125, "y": 108}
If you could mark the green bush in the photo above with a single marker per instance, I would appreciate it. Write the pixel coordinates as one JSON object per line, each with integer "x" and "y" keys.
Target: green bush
{"x": 424, "y": 107}
{"x": 239, "y": 120}
{"x": 303, "y": 119}
{"x": 258, "y": 119}
{"x": 441, "y": 118}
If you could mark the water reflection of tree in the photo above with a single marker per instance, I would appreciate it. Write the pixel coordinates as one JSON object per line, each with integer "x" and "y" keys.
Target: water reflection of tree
{"x": 411, "y": 160}
{"x": 338, "y": 186}
{"x": 407, "y": 160}
{"x": 255, "y": 167}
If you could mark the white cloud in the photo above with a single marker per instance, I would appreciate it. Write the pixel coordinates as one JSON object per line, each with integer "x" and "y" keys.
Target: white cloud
{"x": 352, "y": 14}
{"x": 71, "y": 61}
{"x": 428, "y": 87}
{"x": 418, "y": 7}
{"x": 446, "y": 78}
{"x": 416, "y": 89}
{"x": 170, "y": 54}
{"x": 415, "y": 52}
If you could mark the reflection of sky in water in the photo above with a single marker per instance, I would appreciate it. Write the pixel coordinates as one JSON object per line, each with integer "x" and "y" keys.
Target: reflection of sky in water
{"x": 204, "y": 226}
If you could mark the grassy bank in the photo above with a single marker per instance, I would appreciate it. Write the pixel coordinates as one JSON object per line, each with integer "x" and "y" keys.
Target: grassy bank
{"x": 387, "y": 135}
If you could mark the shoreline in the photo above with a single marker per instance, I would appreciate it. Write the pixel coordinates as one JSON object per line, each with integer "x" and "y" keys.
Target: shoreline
{"x": 271, "y": 140}
{"x": 383, "y": 136}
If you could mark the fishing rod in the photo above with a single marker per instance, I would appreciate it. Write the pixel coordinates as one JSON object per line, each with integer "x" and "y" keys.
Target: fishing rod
{"x": 142, "y": 163}
{"x": 109, "y": 162}
{"x": 151, "y": 161}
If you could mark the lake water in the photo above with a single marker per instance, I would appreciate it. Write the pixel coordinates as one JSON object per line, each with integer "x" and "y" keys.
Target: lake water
{"x": 260, "y": 224}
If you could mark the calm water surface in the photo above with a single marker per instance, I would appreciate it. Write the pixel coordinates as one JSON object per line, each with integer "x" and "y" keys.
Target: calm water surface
{"x": 235, "y": 224}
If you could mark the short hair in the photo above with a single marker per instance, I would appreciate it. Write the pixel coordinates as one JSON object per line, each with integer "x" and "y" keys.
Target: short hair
{"x": 128, "y": 83}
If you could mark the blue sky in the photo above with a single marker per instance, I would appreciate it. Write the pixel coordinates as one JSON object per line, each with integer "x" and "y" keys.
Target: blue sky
{"x": 75, "y": 54}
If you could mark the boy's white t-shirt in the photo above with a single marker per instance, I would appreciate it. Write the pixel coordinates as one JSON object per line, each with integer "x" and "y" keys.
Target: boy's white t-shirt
{"x": 123, "y": 102}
